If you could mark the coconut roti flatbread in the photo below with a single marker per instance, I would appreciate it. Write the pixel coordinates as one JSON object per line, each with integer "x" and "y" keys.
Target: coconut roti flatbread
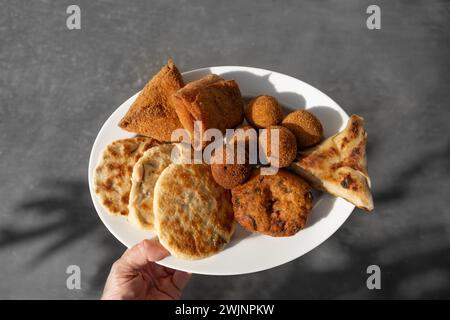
{"x": 193, "y": 214}
{"x": 145, "y": 174}
{"x": 112, "y": 179}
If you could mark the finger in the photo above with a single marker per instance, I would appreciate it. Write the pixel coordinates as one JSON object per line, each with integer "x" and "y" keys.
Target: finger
{"x": 156, "y": 294}
{"x": 144, "y": 252}
{"x": 180, "y": 279}
{"x": 167, "y": 286}
{"x": 169, "y": 271}
{"x": 158, "y": 271}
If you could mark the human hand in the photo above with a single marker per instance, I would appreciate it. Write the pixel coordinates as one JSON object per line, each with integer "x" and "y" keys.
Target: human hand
{"x": 135, "y": 276}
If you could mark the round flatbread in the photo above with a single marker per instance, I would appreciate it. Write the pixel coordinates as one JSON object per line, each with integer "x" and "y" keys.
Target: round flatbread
{"x": 145, "y": 173}
{"x": 113, "y": 173}
{"x": 193, "y": 214}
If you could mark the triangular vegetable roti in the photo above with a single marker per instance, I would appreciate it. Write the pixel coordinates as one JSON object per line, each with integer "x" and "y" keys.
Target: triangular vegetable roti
{"x": 338, "y": 165}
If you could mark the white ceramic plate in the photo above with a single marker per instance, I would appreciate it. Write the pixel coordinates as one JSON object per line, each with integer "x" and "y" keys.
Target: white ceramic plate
{"x": 246, "y": 252}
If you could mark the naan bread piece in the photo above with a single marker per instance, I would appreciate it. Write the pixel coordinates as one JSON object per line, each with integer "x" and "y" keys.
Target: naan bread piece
{"x": 145, "y": 174}
{"x": 113, "y": 173}
{"x": 216, "y": 102}
{"x": 338, "y": 165}
{"x": 152, "y": 113}
{"x": 193, "y": 214}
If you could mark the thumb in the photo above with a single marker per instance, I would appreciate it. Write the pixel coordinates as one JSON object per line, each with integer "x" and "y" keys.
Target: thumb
{"x": 144, "y": 252}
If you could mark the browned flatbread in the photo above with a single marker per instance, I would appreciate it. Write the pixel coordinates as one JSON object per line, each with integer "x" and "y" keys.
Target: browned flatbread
{"x": 146, "y": 172}
{"x": 113, "y": 172}
{"x": 216, "y": 102}
{"x": 193, "y": 214}
{"x": 338, "y": 165}
{"x": 152, "y": 114}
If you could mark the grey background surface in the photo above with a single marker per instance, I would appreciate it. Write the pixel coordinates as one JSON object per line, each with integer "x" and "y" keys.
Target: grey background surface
{"x": 57, "y": 87}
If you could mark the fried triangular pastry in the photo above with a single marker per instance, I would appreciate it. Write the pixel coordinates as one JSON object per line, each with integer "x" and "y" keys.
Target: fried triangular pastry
{"x": 152, "y": 113}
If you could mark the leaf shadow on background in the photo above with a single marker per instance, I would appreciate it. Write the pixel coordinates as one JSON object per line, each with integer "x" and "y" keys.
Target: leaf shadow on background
{"x": 68, "y": 216}
{"x": 412, "y": 171}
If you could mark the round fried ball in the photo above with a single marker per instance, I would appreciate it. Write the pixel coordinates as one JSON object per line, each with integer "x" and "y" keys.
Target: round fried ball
{"x": 228, "y": 172}
{"x": 249, "y": 135}
{"x": 263, "y": 112}
{"x": 243, "y": 131}
{"x": 287, "y": 146}
{"x": 305, "y": 126}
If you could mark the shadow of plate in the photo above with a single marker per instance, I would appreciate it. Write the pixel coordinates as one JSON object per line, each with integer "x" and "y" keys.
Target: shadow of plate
{"x": 331, "y": 120}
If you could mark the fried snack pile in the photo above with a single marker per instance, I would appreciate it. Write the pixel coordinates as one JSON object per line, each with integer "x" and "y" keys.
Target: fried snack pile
{"x": 193, "y": 207}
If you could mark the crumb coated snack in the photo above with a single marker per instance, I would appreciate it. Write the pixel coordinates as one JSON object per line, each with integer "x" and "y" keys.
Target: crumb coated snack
{"x": 244, "y": 132}
{"x": 287, "y": 146}
{"x": 263, "y": 112}
{"x": 277, "y": 205}
{"x": 193, "y": 214}
{"x": 215, "y": 102}
{"x": 113, "y": 173}
{"x": 228, "y": 171}
{"x": 152, "y": 113}
{"x": 305, "y": 126}
{"x": 246, "y": 135}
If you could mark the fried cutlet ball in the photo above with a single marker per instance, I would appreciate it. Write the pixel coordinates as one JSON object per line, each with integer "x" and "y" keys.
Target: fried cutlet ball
{"x": 287, "y": 147}
{"x": 228, "y": 171}
{"x": 249, "y": 136}
{"x": 263, "y": 112}
{"x": 277, "y": 205}
{"x": 305, "y": 126}
{"x": 245, "y": 133}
